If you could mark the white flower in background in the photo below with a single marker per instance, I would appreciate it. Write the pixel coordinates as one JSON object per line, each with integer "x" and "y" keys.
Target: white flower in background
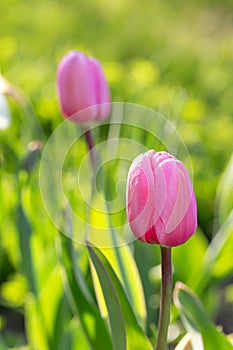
{"x": 5, "y": 115}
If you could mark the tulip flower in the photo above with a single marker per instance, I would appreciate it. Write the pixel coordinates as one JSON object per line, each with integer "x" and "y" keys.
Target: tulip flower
{"x": 161, "y": 205}
{"x": 81, "y": 84}
{"x": 161, "y": 209}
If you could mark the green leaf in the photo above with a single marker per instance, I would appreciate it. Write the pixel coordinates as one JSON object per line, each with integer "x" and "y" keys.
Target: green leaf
{"x": 222, "y": 250}
{"x": 62, "y": 337}
{"x": 79, "y": 340}
{"x": 41, "y": 311}
{"x": 113, "y": 305}
{"x": 196, "y": 321}
{"x": 218, "y": 258}
{"x": 35, "y": 327}
{"x": 225, "y": 192}
{"x": 90, "y": 318}
{"x": 121, "y": 317}
{"x": 123, "y": 264}
{"x": 118, "y": 253}
{"x": 49, "y": 299}
{"x": 24, "y": 230}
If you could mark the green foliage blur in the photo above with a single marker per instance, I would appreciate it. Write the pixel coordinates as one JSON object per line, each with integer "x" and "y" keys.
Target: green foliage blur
{"x": 172, "y": 56}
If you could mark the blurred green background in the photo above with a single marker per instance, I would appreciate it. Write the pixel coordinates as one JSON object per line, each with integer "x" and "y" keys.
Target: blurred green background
{"x": 173, "y": 56}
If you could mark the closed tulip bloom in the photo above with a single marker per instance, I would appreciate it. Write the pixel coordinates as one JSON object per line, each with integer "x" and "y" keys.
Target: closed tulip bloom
{"x": 161, "y": 205}
{"x": 81, "y": 84}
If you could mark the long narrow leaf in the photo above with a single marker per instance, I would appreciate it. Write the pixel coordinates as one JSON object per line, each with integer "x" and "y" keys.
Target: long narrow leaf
{"x": 123, "y": 264}
{"x": 112, "y": 289}
{"x": 218, "y": 250}
{"x": 24, "y": 230}
{"x": 35, "y": 328}
{"x": 196, "y": 321}
{"x": 225, "y": 192}
{"x": 92, "y": 323}
{"x": 62, "y": 337}
{"x": 116, "y": 318}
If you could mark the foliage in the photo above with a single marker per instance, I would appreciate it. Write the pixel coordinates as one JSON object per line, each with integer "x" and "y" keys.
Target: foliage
{"x": 173, "y": 57}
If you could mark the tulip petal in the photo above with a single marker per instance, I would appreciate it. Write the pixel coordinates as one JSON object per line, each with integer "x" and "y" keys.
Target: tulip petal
{"x": 82, "y": 88}
{"x": 140, "y": 189}
{"x": 101, "y": 88}
{"x": 161, "y": 204}
{"x": 183, "y": 199}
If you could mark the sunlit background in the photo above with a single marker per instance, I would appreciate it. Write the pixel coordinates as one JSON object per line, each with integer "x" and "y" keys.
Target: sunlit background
{"x": 175, "y": 57}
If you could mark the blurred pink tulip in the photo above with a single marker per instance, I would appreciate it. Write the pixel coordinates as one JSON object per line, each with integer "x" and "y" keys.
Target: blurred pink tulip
{"x": 81, "y": 84}
{"x": 161, "y": 205}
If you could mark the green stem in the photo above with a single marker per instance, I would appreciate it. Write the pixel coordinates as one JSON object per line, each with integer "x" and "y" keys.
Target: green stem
{"x": 166, "y": 295}
{"x": 91, "y": 144}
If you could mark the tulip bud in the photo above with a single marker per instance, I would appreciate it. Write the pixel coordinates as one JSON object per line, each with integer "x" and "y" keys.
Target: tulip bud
{"x": 161, "y": 204}
{"x": 81, "y": 84}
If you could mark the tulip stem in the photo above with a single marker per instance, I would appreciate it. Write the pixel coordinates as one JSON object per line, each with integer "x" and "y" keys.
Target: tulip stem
{"x": 91, "y": 144}
{"x": 165, "y": 301}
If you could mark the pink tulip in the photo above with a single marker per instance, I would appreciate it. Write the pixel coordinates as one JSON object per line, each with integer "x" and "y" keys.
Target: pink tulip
{"x": 161, "y": 205}
{"x": 81, "y": 84}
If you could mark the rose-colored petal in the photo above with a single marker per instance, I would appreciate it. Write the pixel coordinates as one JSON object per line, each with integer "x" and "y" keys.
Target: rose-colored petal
{"x": 183, "y": 199}
{"x": 82, "y": 88}
{"x": 161, "y": 204}
{"x": 184, "y": 230}
{"x": 139, "y": 195}
{"x": 101, "y": 88}
{"x": 166, "y": 188}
